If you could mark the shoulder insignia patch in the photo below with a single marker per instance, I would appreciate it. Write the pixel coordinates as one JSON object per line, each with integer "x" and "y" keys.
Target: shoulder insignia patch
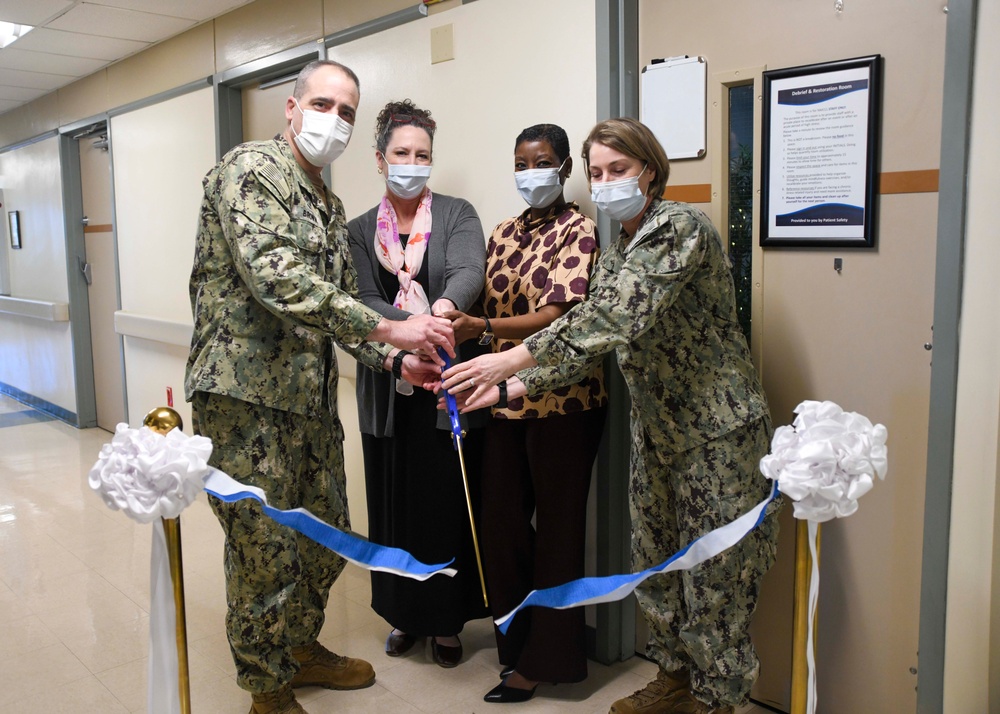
{"x": 272, "y": 178}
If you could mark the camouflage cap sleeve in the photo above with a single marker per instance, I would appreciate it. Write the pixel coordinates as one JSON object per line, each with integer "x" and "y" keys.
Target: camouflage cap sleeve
{"x": 280, "y": 251}
{"x": 545, "y": 379}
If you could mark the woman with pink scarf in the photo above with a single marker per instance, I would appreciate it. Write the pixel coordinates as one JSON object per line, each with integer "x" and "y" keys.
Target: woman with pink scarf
{"x": 417, "y": 252}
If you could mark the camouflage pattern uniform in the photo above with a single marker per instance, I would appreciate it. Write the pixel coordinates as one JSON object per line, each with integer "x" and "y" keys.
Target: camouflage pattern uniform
{"x": 664, "y": 302}
{"x": 272, "y": 283}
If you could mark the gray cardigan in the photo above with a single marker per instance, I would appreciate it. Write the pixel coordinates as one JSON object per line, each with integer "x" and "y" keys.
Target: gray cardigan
{"x": 456, "y": 255}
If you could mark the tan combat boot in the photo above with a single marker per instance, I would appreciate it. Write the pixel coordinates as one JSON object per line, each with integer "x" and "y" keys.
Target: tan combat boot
{"x": 657, "y": 697}
{"x": 685, "y": 703}
{"x": 279, "y": 702}
{"x": 319, "y": 667}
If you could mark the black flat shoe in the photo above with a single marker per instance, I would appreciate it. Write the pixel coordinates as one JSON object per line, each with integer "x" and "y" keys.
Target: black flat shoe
{"x": 502, "y": 694}
{"x": 506, "y": 672}
{"x": 396, "y": 645}
{"x": 445, "y": 656}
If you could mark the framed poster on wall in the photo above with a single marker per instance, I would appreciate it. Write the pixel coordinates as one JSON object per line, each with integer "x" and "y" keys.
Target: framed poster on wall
{"x": 820, "y": 154}
{"x": 14, "y": 223}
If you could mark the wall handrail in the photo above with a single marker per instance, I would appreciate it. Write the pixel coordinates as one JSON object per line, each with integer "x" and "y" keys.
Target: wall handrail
{"x": 157, "y": 329}
{"x": 37, "y": 309}
{"x": 172, "y": 332}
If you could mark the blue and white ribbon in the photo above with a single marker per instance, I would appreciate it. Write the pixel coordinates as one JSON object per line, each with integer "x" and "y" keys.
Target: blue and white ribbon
{"x": 150, "y": 477}
{"x": 609, "y": 588}
{"x": 365, "y": 554}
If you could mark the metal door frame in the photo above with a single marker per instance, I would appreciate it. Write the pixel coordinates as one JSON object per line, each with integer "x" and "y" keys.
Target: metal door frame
{"x": 960, "y": 48}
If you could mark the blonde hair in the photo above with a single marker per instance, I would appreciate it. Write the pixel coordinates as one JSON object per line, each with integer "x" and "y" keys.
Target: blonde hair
{"x": 632, "y": 138}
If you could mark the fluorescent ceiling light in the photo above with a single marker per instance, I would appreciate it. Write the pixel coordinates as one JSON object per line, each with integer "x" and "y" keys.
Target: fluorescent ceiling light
{"x": 10, "y": 32}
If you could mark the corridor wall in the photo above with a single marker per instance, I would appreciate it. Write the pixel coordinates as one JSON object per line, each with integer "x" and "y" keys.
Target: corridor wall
{"x": 36, "y": 355}
{"x": 161, "y": 153}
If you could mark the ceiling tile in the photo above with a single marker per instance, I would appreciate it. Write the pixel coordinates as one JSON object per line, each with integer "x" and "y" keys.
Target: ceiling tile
{"x": 21, "y": 94}
{"x": 74, "y": 44}
{"x": 11, "y": 58}
{"x": 32, "y": 13}
{"x": 122, "y": 24}
{"x": 6, "y": 104}
{"x": 33, "y": 80}
{"x": 191, "y": 9}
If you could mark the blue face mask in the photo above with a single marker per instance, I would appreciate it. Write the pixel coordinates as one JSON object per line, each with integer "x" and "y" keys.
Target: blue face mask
{"x": 539, "y": 187}
{"x": 407, "y": 180}
{"x": 622, "y": 200}
{"x": 323, "y": 137}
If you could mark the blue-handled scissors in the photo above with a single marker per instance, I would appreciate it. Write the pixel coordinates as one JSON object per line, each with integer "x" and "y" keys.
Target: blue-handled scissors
{"x": 457, "y": 435}
{"x": 451, "y": 403}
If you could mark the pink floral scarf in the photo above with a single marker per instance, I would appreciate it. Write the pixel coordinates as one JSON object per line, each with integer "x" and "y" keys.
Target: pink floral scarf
{"x": 402, "y": 262}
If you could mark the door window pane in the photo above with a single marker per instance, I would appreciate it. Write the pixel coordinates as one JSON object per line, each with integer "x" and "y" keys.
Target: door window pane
{"x": 740, "y": 217}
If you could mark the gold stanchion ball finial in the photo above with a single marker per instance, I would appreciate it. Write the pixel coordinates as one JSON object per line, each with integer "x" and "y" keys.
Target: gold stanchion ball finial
{"x": 162, "y": 420}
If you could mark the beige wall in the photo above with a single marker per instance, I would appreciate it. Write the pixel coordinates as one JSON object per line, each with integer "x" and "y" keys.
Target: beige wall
{"x": 855, "y": 338}
{"x": 970, "y": 660}
{"x": 157, "y": 195}
{"x": 474, "y": 143}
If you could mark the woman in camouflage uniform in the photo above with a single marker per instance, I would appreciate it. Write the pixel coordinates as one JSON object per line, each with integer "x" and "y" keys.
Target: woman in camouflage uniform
{"x": 662, "y": 299}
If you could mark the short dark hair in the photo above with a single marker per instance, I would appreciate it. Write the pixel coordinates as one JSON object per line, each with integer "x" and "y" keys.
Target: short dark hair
{"x": 397, "y": 114}
{"x": 555, "y": 135}
{"x": 306, "y": 72}
{"x": 632, "y": 138}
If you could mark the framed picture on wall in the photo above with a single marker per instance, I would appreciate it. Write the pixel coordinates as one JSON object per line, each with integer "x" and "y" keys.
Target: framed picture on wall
{"x": 14, "y": 223}
{"x": 820, "y": 152}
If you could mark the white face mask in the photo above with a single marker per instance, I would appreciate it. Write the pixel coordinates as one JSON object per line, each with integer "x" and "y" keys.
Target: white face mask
{"x": 622, "y": 200}
{"x": 324, "y": 136}
{"x": 407, "y": 180}
{"x": 538, "y": 187}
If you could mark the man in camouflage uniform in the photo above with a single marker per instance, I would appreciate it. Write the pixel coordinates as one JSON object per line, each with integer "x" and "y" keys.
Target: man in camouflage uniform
{"x": 272, "y": 283}
{"x": 663, "y": 300}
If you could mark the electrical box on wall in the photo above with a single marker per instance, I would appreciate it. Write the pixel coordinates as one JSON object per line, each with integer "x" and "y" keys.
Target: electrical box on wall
{"x": 442, "y": 44}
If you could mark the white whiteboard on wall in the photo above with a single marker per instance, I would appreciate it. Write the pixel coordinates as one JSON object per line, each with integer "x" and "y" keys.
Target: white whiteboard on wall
{"x": 672, "y": 104}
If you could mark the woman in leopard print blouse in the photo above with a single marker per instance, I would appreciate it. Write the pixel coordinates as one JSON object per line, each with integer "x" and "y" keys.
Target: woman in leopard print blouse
{"x": 540, "y": 449}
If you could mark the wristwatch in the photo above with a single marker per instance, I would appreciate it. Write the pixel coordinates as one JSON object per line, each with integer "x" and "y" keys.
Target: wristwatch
{"x": 502, "y": 402}
{"x": 487, "y": 336}
{"x": 397, "y": 364}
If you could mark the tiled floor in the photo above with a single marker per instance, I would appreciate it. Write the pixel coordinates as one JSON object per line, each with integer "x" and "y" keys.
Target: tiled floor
{"x": 74, "y": 595}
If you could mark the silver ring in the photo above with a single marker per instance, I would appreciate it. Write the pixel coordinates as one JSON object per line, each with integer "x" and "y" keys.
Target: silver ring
{"x": 472, "y": 381}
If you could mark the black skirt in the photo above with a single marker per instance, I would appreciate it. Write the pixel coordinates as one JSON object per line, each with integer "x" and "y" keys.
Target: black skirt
{"x": 416, "y": 501}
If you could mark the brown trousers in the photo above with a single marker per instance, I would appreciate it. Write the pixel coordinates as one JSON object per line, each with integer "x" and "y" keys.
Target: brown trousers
{"x": 539, "y": 467}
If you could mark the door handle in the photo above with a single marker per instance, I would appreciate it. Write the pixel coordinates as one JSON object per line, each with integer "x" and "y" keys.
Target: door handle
{"x": 88, "y": 274}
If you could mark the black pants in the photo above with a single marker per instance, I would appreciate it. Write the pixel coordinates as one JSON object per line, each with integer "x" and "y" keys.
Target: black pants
{"x": 416, "y": 501}
{"x": 541, "y": 467}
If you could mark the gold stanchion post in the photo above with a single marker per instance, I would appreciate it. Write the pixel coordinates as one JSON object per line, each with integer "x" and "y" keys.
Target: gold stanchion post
{"x": 162, "y": 420}
{"x": 800, "y": 610}
{"x": 472, "y": 522}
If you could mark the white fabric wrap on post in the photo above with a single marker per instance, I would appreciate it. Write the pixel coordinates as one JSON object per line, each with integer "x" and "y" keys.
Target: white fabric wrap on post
{"x": 824, "y": 462}
{"x": 149, "y": 477}
{"x": 163, "y": 693}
